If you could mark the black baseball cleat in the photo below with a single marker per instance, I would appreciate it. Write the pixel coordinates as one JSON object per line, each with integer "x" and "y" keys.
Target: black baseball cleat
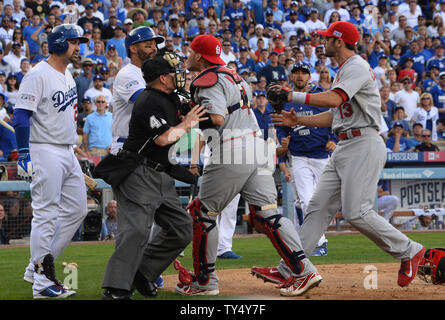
{"x": 147, "y": 288}
{"x": 116, "y": 294}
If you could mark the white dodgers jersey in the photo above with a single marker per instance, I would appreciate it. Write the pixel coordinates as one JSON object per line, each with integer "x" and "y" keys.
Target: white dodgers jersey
{"x": 52, "y": 97}
{"x": 128, "y": 81}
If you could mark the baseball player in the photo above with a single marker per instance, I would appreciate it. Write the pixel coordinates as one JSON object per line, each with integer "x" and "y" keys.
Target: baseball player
{"x": 141, "y": 44}
{"x": 350, "y": 178}
{"x": 309, "y": 147}
{"x": 45, "y": 124}
{"x": 234, "y": 136}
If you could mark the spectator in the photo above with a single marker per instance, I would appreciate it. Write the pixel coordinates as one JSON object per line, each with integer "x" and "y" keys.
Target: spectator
{"x": 408, "y": 71}
{"x": 3, "y": 239}
{"x": 381, "y": 69}
{"x": 3, "y": 81}
{"x": 244, "y": 61}
{"x": 438, "y": 91}
{"x": 4, "y": 66}
{"x": 438, "y": 59}
{"x": 416, "y": 137}
{"x": 43, "y": 55}
{"x": 427, "y": 114}
{"x": 386, "y": 202}
{"x": 31, "y": 34}
{"x": 12, "y": 87}
{"x": 6, "y": 31}
{"x": 17, "y": 36}
{"x": 396, "y": 141}
{"x": 398, "y": 34}
{"x": 108, "y": 79}
{"x": 407, "y": 97}
{"x": 343, "y": 13}
{"x": 118, "y": 41}
{"x": 3, "y": 104}
{"x": 97, "y": 130}
{"x": 7, "y": 138}
{"x": 98, "y": 89}
{"x": 89, "y": 16}
{"x": 110, "y": 27}
{"x": 314, "y": 23}
{"x": 273, "y": 70}
{"x": 97, "y": 55}
{"x": 227, "y": 54}
{"x": 14, "y": 57}
{"x": 253, "y": 41}
{"x": 84, "y": 80}
{"x": 440, "y": 129}
{"x": 324, "y": 81}
{"x": 399, "y": 115}
{"x": 139, "y": 17}
{"x": 388, "y": 106}
{"x": 426, "y": 144}
{"x": 128, "y": 24}
{"x": 85, "y": 110}
{"x": 109, "y": 224}
{"x": 269, "y": 24}
{"x": 175, "y": 28}
{"x": 292, "y": 26}
{"x": 25, "y": 67}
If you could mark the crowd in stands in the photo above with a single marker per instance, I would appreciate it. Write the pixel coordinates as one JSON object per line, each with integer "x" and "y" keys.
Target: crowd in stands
{"x": 403, "y": 41}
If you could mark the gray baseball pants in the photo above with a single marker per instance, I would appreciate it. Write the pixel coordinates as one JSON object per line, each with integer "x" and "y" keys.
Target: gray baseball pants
{"x": 144, "y": 197}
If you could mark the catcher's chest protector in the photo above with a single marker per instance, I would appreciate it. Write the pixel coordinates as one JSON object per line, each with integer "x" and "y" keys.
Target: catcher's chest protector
{"x": 209, "y": 77}
{"x": 432, "y": 267}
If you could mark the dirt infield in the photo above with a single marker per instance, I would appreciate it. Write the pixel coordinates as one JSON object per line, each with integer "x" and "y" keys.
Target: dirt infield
{"x": 340, "y": 282}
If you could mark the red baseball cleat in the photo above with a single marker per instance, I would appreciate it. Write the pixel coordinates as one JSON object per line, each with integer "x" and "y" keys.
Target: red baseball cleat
{"x": 268, "y": 274}
{"x": 408, "y": 269}
{"x": 301, "y": 285}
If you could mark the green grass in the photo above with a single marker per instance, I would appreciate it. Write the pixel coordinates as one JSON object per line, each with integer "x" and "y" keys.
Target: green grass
{"x": 92, "y": 259}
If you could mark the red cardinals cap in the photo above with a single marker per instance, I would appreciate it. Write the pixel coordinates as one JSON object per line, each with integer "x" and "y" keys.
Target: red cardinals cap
{"x": 343, "y": 30}
{"x": 209, "y": 47}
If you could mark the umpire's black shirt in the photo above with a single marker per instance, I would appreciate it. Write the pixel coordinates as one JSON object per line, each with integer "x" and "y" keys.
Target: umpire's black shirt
{"x": 154, "y": 112}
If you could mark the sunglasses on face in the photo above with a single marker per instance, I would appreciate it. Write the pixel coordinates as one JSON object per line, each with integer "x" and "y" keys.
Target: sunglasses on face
{"x": 425, "y": 98}
{"x": 426, "y": 135}
{"x": 100, "y": 101}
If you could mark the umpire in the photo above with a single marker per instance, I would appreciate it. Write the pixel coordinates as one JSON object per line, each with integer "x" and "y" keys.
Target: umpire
{"x": 148, "y": 193}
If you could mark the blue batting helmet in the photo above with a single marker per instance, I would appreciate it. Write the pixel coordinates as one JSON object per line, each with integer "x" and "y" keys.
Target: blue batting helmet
{"x": 141, "y": 34}
{"x": 57, "y": 38}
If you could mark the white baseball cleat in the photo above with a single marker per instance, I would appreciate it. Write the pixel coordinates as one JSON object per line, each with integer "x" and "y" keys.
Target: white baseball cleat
{"x": 188, "y": 290}
{"x": 301, "y": 285}
{"x": 54, "y": 291}
{"x": 28, "y": 279}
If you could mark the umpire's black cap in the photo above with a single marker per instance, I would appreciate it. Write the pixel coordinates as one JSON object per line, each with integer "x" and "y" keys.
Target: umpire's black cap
{"x": 154, "y": 67}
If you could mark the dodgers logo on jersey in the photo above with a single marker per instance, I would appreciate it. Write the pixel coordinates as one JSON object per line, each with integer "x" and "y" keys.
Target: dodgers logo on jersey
{"x": 64, "y": 99}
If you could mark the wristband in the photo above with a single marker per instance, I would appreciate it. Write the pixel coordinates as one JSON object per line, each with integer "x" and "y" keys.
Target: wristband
{"x": 193, "y": 166}
{"x": 299, "y": 97}
{"x": 306, "y": 100}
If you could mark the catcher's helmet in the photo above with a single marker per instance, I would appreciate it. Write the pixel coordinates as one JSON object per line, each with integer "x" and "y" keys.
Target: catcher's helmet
{"x": 57, "y": 38}
{"x": 140, "y": 34}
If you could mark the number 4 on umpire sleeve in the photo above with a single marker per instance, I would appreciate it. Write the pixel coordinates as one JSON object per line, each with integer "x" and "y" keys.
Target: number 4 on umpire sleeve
{"x": 154, "y": 123}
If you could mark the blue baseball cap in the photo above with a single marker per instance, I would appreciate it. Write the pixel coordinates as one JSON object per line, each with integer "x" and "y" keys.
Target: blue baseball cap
{"x": 301, "y": 66}
{"x": 104, "y": 69}
{"x": 86, "y": 99}
{"x": 395, "y": 3}
{"x": 269, "y": 12}
{"x": 177, "y": 35}
{"x": 282, "y": 77}
{"x": 397, "y": 123}
{"x": 243, "y": 48}
{"x": 98, "y": 77}
{"x": 258, "y": 93}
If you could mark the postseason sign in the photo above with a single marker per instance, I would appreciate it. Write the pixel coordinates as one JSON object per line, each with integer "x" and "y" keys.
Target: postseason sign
{"x": 419, "y": 194}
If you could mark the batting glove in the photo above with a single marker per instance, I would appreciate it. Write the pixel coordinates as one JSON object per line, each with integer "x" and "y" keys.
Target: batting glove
{"x": 25, "y": 170}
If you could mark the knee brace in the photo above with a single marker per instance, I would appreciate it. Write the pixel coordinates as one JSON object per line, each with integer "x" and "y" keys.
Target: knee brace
{"x": 201, "y": 268}
{"x": 271, "y": 227}
{"x": 47, "y": 268}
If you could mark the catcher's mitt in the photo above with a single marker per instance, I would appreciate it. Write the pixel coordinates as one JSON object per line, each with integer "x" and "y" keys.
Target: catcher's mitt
{"x": 277, "y": 96}
{"x": 432, "y": 267}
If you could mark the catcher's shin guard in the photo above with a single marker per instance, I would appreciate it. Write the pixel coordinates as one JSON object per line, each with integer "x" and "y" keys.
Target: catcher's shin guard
{"x": 201, "y": 268}
{"x": 47, "y": 268}
{"x": 270, "y": 226}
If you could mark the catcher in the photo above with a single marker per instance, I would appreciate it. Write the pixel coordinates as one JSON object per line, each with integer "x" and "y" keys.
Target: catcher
{"x": 234, "y": 132}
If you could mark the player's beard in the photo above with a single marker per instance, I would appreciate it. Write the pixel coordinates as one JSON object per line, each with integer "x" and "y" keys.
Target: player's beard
{"x": 300, "y": 85}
